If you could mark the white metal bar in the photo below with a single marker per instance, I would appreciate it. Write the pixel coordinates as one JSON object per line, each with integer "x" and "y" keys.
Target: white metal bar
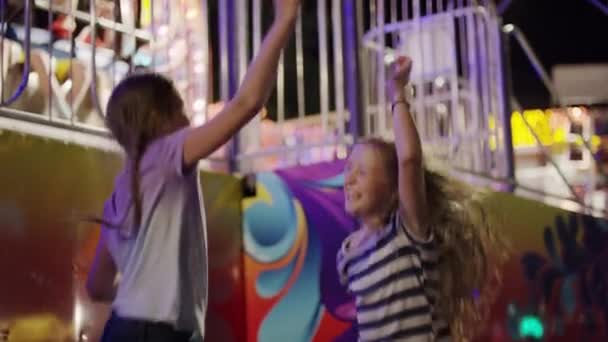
{"x": 50, "y": 53}
{"x": 58, "y": 129}
{"x": 152, "y": 42}
{"x": 380, "y": 88}
{"x": 249, "y": 132}
{"x": 128, "y": 19}
{"x": 117, "y": 53}
{"x": 254, "y": 126}
{"x": 485, "y": 85}
{"x": 103, "y": 22}
{"x": 223, "y": 41}
{"x": 257, "y": 25}
{"x": 453, "y": 80}
{"x": 473, "y": 80}
{"x": 464, "y": 139}
{"x": 498, "y": 95}
{"x": 338, "y": 64}
{"x": 430, "y": 117}
{"x": 374, "y": 31}
{"x": 169, "y": 28}
{"x": 281, "y": 95}
{"x": 363, "y": 61}
{"x": 420, "y": 82}
{"x": 300, "y": 66}
{"x": 242, "y": 28}
{"x": 3, "y": 28}
{"x": 94, "y": 93}
{"x": 405, "y": 9}
{"x": 71, "y": 91}
{"x": 323, "y": 64}
{"x": 205, "y": 51}
{"x": 372, "y": 118}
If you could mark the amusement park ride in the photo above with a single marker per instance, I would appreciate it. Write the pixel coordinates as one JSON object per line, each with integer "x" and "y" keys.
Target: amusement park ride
{"x": 61, "y": 58}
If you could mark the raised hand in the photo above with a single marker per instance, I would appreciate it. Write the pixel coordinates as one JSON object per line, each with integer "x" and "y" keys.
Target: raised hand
{"x": 400, "y": 71}
{"x": 286, "y": 9}
{"x": 399, "y": 77}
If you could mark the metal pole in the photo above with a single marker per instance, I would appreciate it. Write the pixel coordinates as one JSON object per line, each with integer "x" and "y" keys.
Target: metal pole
{"x": 507, "y": 92}
{"x": 523, "y": 42}
{"x": 352, "y": 71}
{"x": 503, "y": 6}
{"x": 323, "y": 65}
{"x": 228, "y": 24}
{"x": 337, "y": 35}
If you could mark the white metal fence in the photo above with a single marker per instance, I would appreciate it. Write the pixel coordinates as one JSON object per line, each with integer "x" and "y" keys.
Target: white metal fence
{"x": 457, "y": 78}
{"x": 61, "y": 59}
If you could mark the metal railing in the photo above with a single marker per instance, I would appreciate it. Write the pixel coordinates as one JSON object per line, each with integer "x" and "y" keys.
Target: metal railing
{"x": 457, "y": 79}
{"x": 66, "y": 80}
{"x": 461, "y": 102}
{"x": 303, "y": 134}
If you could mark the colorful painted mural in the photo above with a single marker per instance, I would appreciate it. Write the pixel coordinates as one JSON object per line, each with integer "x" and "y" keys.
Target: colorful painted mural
{"x": 555, "y": 286}
{"x": 292, "y": 291}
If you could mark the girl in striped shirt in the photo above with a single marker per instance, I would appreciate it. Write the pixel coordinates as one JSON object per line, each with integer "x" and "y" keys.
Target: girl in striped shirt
{"x": 420, "y": 263}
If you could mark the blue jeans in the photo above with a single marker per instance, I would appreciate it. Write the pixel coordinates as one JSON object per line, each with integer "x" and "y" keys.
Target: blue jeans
{"x": 120, "y": 329}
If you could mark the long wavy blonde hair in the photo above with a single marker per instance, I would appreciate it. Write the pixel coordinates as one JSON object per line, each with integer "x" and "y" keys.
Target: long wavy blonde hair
{"x": 471, "y": 249}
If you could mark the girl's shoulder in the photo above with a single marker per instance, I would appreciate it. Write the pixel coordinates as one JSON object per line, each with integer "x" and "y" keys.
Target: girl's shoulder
{"x": 347, "y": 247}
{"x": 353, "y": 240}
{"x": 356, "y": 243}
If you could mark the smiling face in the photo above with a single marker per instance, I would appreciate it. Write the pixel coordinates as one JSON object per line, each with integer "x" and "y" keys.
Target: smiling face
{"x": 367, "y": 187}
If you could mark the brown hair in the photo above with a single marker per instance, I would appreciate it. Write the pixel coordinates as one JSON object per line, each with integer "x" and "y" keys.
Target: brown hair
{"x": 471, "y": 250}
{"x": 142, "y": 107}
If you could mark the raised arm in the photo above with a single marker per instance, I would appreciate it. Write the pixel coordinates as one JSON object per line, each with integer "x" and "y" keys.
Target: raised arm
{"x": 253, "y": 92}
{"x": 412, "y": 195}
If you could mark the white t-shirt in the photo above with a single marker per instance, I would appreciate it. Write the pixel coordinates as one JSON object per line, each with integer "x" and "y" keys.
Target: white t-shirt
{"x": 163, "y": 264}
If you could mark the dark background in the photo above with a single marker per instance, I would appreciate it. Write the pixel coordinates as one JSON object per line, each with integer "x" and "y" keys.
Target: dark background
{"x": 561, "y": 32}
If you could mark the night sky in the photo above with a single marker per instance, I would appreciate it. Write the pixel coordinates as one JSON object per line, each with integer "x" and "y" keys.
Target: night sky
{"x": 561, "y": 32}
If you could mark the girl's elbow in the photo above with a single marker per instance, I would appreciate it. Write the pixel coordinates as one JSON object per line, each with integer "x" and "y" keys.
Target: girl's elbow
{"x": 96, "y": 293}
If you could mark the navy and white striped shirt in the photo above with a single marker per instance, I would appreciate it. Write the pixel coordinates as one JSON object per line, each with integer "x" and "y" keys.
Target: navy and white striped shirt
{"x": 394, "y": 279}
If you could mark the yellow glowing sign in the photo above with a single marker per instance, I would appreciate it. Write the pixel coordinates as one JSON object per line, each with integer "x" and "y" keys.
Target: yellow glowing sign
{"x": 539, "y": 121}
{"x": 548, "y": 133}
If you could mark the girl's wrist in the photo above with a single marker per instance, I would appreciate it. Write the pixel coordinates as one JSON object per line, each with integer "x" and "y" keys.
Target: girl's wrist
{"x": 399, "y": 92}
{"x": 399, "y": 102}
